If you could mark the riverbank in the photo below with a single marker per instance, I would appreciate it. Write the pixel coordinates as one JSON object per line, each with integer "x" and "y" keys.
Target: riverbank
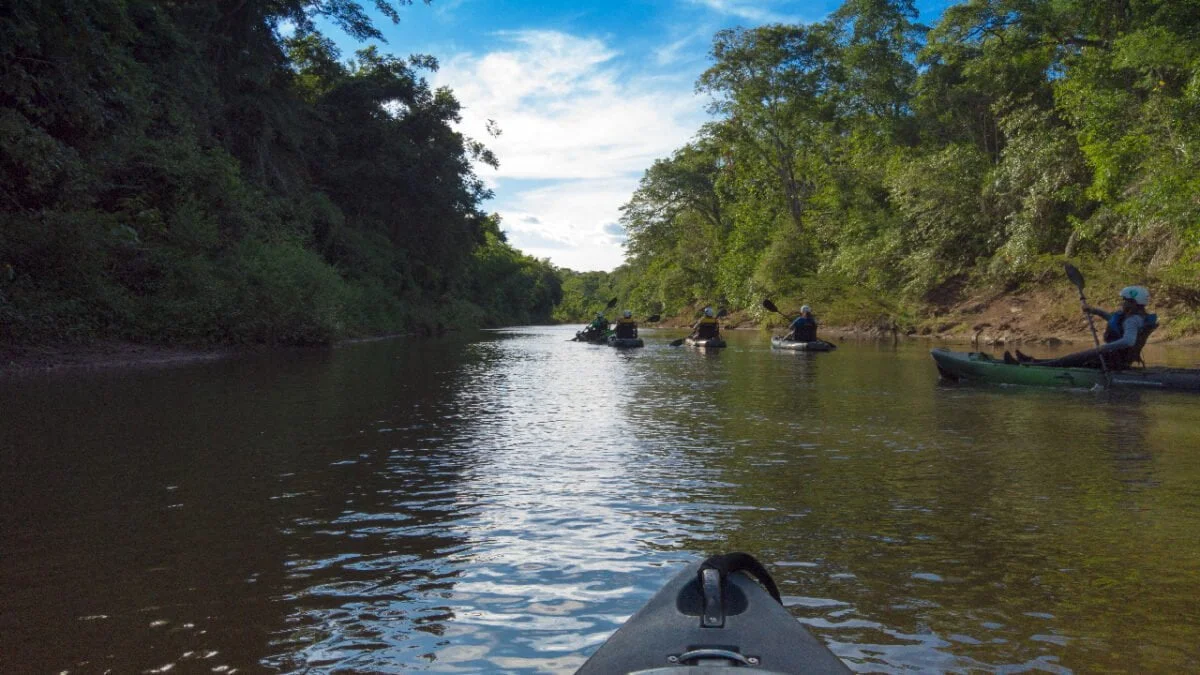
{"x": 1050, "y": 318}
{"x": 29, "y": 359}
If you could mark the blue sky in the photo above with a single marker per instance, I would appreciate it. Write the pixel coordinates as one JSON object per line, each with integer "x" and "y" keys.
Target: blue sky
{"x": 587, "y": 94}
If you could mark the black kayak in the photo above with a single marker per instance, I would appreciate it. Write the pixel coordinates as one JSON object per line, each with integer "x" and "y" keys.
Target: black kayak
{"x": 714, "y": 615}
{"x": 591, "y": 337}
{"x": 802, "y": 346}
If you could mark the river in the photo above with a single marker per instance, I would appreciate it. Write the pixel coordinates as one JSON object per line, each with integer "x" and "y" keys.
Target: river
{"x": 502, "y": 501}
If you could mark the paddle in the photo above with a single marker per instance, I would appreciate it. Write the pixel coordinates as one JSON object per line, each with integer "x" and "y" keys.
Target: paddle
{"x": 680, "y": 341}
{"x": 1077, "y": 278}
{"x": 770, "y": 307}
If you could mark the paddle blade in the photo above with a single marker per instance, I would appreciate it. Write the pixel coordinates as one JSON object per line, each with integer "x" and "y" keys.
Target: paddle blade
{"x": 1074, "y": 275}
{"x": 611, "y": 303}
{"x": 770, "y": 306}
{"x": 652, "y": 318}
{"x": 722, "y": 314}
{"x": 676, "y": 343}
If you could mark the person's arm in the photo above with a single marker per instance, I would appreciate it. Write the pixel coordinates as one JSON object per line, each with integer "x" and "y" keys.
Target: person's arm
{"x": 1097, "y": 311}
{"x": 1129, "y": 333}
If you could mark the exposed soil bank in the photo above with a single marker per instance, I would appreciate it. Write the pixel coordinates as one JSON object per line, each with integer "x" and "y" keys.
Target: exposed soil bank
{"x": 1041, "y": 317}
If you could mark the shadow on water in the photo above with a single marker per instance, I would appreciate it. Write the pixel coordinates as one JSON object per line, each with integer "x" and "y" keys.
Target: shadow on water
{"x": 501, "y": 502}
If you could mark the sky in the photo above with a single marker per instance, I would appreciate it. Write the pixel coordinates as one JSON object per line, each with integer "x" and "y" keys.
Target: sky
{"x": 587, "y": 94}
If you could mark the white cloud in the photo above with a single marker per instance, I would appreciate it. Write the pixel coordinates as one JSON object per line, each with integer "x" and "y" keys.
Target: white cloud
{"x": 570, "y": 222}
{"x": 571, "y": 116}
{"x": 757, "y": 11}
{"x": 680, "y": 49}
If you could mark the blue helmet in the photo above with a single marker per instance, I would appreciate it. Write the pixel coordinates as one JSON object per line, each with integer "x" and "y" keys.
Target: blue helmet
{"x": 1138, "y": 294}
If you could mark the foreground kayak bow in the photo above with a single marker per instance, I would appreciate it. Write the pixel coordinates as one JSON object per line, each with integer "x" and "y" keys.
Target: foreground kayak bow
{"x": 713, "y": 615}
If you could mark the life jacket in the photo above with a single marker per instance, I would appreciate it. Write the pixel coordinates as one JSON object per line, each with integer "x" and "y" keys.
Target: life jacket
{"x": 1124, "y": 358}
{"x": 626, "y": 328}
{"x": 707, "y": 328}
{"x": 805, "y": 332}
{"x": 1114, "y": 330}
{"x": 804, "y": 329}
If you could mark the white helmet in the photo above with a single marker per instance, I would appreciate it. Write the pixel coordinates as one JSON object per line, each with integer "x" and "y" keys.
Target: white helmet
{"x": 628, "y": 314}
{"x": 708, "y": 311}
{"x": 1138, "y": 294}
{"x": 805, "y": 309}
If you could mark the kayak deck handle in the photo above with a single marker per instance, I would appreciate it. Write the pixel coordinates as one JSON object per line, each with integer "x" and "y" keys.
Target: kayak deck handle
{"x": 714, "y": 609}
{"x": 697, "y": 654}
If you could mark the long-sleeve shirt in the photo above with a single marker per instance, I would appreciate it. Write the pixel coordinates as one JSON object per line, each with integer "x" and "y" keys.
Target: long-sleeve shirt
{"x": 1130, "y": 327}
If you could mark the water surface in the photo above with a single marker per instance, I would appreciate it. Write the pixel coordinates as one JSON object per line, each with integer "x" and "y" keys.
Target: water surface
{"x": 501, "y": 502}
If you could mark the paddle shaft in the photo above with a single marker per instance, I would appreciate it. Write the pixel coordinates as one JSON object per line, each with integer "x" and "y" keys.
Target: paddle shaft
{"x": 1077, "y": 279}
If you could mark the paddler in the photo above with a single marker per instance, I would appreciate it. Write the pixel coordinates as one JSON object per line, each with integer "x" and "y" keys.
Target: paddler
{"x": 804, "y": 327}
{"x": 626, "y": 327}
{"x": 707, "y": 327}
{"x": 1125, "y": 334}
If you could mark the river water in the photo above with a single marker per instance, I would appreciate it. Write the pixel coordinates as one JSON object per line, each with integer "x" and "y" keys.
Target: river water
{"x": 501, "y": 502}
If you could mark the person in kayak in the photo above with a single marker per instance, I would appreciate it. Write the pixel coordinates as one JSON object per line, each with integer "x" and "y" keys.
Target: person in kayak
{"x": 598, "y": 328}
{"x": 1125, "y": 334}
{"x": 707, "y": 327}
{"x": 626, "y": 327}
{"x": 804, "y": 327}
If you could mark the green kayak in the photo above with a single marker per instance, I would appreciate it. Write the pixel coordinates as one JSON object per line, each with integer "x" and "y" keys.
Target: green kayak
{"x": 981, "y": 367}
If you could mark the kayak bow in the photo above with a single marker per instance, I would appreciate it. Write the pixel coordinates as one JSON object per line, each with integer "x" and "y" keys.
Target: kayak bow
{"x": 714, "y": 614}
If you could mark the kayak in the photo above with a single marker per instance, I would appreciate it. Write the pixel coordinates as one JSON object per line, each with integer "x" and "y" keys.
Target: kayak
{"x": 584, "y": 336}
{"x": 984, "y": 368}
{"x": 813, "y": 346}
{"x": 710, "y": 343}
{"x": 625, "y": 343}
{"x": 714, "y": 614}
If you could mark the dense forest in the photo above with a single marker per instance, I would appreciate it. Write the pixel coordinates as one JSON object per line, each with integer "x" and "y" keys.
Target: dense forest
{"x": 215, "y": 171}
{"x": 887, "y": 169}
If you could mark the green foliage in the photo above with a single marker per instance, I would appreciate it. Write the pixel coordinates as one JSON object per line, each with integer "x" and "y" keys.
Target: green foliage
{"x": 182, "y": 172}
{"x": 509, "y": 286}
{"x": 877, "y": 167}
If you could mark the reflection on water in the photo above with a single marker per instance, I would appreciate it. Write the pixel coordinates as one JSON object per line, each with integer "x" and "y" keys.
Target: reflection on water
{"x": 502, "y": 502}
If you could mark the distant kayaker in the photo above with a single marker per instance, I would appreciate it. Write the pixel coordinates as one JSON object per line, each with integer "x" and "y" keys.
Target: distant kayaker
{"x": 707, "y": 327}
{"x": 804, "y": 327}
{"x": 1124, "y": 335}
{"x": 598, "y": 328}
{"x": 626, "y": 327}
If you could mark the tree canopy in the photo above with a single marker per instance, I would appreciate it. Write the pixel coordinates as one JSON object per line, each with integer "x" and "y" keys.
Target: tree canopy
{"x": 869, "y": 156}
{"x": 217, "y": 171}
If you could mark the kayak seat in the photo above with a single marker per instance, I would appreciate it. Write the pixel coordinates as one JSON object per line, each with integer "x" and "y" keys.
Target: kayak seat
{"x": 1152, "y": 321}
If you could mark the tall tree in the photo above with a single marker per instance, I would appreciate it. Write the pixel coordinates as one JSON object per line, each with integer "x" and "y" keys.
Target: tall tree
{"x": 773, "y": 84}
